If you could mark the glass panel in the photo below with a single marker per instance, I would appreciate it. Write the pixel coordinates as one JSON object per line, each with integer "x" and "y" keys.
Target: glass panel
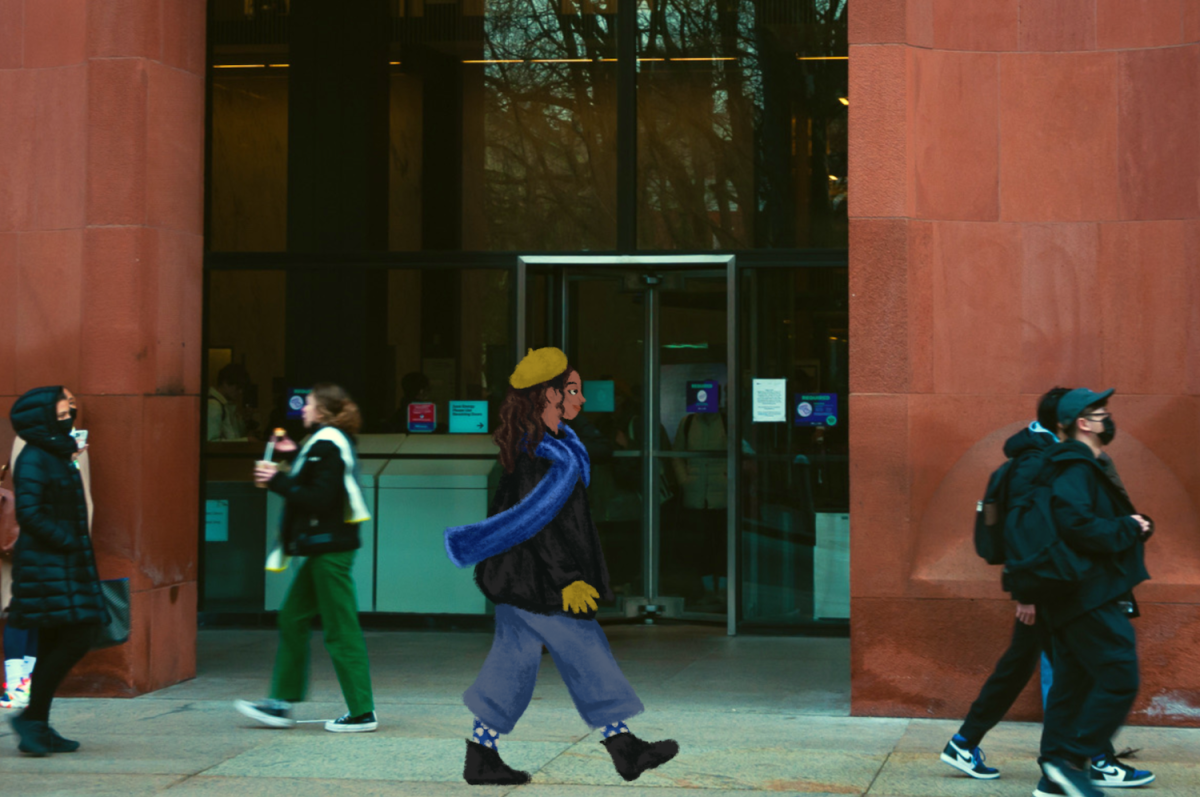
{"x": 512, "y": 105}
{"x": 246, "y": 322}
{"x": 606, "y": 317}
{"x": 742, "y": 124}
{"x": 795, "y": 475}
{"x": 693, "y": 380}
{"x": 447, "y": 339}
{"x": 449, "y": 332}
{"x": 248, "y": 127}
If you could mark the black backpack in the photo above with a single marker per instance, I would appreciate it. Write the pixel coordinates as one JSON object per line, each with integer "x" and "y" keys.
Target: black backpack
{"x": 1039, "y": 565}
{"x": 990, "y": 514}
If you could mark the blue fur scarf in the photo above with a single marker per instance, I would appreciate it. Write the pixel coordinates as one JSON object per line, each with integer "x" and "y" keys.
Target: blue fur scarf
{"x": 469, "y": 545}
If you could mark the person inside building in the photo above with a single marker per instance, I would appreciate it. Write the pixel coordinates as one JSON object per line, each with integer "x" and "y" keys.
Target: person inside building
{"x": 704, "y": 482}
{"x": 538, "y": 558}
{"x": 1095, "y": 651}
{"x": 414, "y": 387}
{"x": 323, "y": 511}
{"x": 226, "y": 418}
{"x": 55, "y": 587}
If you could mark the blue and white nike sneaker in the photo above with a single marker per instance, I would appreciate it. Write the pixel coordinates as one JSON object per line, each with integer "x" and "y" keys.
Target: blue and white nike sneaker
{"x": 968, "y": 761}
{"x": 1109, "y": 773}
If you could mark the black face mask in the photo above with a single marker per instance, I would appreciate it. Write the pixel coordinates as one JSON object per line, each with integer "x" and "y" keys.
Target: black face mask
{"x": 1110, "y": 431}
{"x": 66, "y": 425}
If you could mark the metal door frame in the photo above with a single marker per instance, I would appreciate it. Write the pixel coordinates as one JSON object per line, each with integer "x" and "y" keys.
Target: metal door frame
{"x": 709, "y": 262}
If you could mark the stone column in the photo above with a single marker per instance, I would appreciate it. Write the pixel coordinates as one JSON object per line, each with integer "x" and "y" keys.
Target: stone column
{"x": 1024, "y": 196}
{"x": 101, "y": 196}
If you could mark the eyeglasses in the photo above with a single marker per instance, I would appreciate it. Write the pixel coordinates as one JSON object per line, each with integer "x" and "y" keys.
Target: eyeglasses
{"x": 1098, "y": 416}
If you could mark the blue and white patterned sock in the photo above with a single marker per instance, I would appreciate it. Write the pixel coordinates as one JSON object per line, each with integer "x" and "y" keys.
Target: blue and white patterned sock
{"x": 485, "y": 735}
{"x": 613, "y": 728}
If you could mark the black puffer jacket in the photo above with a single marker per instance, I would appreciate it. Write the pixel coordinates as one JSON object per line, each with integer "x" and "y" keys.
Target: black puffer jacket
{"x": 532, "y": 575}
{"x": 1093, "y": 517}
{"x": 314, "y": 518}
{"x": 54, "y": 570}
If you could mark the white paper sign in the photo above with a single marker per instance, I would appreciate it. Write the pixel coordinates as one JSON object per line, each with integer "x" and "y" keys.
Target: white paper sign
{"x": 216, "y": 520}
{"x": 769, "y": 401}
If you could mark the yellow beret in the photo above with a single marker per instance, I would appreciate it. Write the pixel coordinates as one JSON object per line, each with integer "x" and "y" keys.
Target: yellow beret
{"x": 538, "y": 366}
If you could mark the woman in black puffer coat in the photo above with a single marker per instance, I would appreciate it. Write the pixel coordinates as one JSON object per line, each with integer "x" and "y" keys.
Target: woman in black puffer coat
{"x": 55, "y": 586}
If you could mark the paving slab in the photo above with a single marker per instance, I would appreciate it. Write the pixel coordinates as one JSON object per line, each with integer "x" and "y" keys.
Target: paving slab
{"x": 752, "y": 715}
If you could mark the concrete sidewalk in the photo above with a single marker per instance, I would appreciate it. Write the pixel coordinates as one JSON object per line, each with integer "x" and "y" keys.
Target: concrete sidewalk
{"x": 755, "y": 714}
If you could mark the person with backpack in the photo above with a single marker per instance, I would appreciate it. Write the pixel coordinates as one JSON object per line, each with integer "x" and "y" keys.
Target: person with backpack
{"x": 1025, "y": 451}
{"x": 1095, "y": 650}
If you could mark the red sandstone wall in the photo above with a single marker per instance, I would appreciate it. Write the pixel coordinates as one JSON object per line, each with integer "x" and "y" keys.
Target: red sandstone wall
{"x": 101, "y": 190}
{"x": 1024, "y": 189}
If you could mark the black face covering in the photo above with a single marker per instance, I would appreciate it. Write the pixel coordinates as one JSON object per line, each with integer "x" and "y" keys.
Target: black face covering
{"x": 1110, "y": 431}
{"x": 65, "y": 426}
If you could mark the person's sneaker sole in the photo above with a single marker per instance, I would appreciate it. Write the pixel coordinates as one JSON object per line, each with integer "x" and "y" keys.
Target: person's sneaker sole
{"x": 1128, "y": 784}
{"x": 1059, "y": 778}
{"x": 1037, "y": 792}
{"x": 966, "y": 769}
{"x": 362, "y": 727}
{"x": 247, "y": 709}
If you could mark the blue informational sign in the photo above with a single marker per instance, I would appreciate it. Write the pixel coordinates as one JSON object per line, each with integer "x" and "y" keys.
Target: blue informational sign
{"x": 295, "y": 402}
{"x": 703, "y": 396}
{"x": 601, "y": 396}
{"x": 816, "y": 409}
{"x": 468, "y": 417}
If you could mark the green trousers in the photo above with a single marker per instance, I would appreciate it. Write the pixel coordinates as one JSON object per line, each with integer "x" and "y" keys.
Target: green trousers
{"x": 324, "y": 586}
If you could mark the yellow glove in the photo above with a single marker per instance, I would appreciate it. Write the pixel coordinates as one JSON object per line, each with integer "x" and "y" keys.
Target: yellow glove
{"x": 578, "y": 597}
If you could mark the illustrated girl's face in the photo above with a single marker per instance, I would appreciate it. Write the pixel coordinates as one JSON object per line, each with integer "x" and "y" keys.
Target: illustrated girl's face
{"x": 573, "y": 401}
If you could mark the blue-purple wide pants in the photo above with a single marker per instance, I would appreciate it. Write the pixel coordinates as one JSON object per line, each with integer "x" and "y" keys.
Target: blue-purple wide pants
{"x": 580, "y": 649}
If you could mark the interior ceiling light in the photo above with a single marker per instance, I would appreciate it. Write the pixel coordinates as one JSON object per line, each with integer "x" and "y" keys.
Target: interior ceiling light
{"x": 239, "y": 66}
{"x": 833, "y": 177}
{"x": 844, "y": 100}
{"x": 822, "y": 58}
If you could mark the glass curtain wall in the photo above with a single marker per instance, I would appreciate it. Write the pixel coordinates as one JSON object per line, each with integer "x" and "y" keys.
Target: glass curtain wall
{"x": 793, "y": 532}
{"x": 741, "y": 124}
{"x": 384, "y": 173}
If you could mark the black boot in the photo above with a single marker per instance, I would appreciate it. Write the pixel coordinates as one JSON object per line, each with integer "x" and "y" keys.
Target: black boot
{"x": 485, "y": 768}
{"x": 59, "y": 743}
{"x": 34, "y": 735}
{"x": 632, "y": 756}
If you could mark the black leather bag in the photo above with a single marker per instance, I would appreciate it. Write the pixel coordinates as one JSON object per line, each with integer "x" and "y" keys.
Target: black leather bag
{"x": 116, "y": 599}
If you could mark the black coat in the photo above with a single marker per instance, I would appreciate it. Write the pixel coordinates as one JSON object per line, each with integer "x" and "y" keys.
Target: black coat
{"x": 1092, "y": 515}
{"x": 314, "y": 518}
{"x": 532, "y": 575}
{"x": 54, "y": 569}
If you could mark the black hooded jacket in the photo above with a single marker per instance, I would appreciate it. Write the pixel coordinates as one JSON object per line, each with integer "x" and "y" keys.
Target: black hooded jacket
{"x": 54, "y": 569}
{"x": 533, "y": 574}
{"x": 1092, "y": 515}
{"x": 1025, "y": 468}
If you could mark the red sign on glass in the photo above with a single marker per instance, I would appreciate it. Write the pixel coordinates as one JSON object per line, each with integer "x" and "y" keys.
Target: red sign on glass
{"x": 422, "y": 417}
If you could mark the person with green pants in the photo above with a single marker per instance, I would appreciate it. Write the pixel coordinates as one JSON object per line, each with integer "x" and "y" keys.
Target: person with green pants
{"x": 324, "y": 507}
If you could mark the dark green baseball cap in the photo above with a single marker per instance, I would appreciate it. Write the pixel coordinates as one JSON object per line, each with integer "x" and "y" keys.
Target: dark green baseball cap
{"x": 1072, "y": 405}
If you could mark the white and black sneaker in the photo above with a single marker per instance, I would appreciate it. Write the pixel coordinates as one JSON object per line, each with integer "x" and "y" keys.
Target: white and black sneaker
{"x": 969, "y": 761}
{"x": 1071, "y": 779}
{"x": 363, "y": 723}
{"x": 272, "y": 713}
{"x": 1048, "y": 788}
{"x": 1109, "y": 773}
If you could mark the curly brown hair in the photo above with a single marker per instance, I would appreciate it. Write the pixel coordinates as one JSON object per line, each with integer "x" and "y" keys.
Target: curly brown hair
{"x": 521, "y": 426}
{"x": 337, "y": 408}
